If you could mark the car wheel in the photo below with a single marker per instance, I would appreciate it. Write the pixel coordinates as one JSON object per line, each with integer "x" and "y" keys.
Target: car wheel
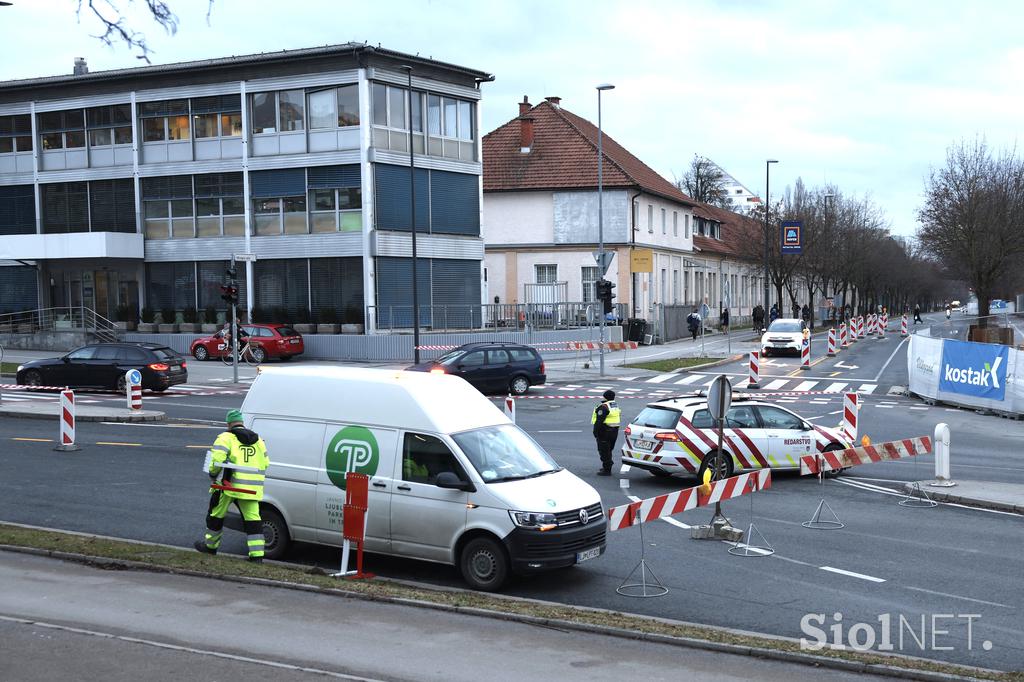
{"x": 259, "y": 355}
{"x": 832, "y": 447}
{"x": 33, "y": 378}
{"x": 724, "y": 471}
{"x": 276, "y": 538}
{"x": 484, "y": 564}
{"x": 200, "y": 353}
{"x": 519, "y": 385}
{"x": 122, "y": 385}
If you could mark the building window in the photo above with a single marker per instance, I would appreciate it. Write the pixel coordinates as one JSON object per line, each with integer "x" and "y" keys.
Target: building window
{"x": 546, "y": 274}
{"x": 97, "y": 206}
{"x": 277, "y": 112}
{"x": 675, "y": 223}
{"x": 334, "y": 107}
{"x": 62, "y": 129}
{"x": 15, "y": 134}
{"x": 686, "y": 225}
{"x": 675, "y": 287}
{"x": 664, "y": 222}
{"x": 111, "y": 125}
{"x": 166, "y": 121}
{"x": 218, "y": 116}
{"x": 336, "y": 210}
{"x": 220, "y": 207}
{"x": 590, "y": 275}
{"x": 280, "y": 215}
{"x": 650, "y": 218}
{"x": 451, "y": 125}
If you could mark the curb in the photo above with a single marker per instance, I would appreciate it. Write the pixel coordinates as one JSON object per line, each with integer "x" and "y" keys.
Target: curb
{"x": 806, "y": 659}
{"x": 954, "y": 498}
{"x": 122, "y": 417}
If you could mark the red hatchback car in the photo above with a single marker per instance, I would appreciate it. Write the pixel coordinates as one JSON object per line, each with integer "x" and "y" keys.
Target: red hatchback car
{"x": 267, "y": 341}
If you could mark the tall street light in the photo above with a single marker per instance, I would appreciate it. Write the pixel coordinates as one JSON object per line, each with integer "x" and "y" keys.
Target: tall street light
{"x": 412, "y": 202}
{"x": 600, "y": 207}
{"x": 767, "y": 231}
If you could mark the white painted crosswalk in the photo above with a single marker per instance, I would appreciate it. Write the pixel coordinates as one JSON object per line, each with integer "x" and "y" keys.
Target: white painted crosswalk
{"x": 787, "y": 385}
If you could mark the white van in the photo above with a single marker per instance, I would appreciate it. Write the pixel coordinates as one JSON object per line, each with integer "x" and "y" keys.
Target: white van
{"x": 452, "y": 479}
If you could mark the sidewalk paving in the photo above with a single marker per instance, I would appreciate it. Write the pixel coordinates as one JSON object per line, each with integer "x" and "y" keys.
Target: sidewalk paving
{"x": 1008, "y": 497}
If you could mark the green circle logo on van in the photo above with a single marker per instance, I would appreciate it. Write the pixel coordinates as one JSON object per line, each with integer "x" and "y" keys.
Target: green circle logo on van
{"x": 552, "y": 503}
{"x": 352, "y": 449}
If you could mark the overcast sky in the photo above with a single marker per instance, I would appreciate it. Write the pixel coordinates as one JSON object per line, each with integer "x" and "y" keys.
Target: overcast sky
{"x": 863, "y": 94}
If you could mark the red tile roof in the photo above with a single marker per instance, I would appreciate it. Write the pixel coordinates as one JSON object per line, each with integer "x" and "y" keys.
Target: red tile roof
{"x": 563, "y": 156}
{"x": 736, "y": 229}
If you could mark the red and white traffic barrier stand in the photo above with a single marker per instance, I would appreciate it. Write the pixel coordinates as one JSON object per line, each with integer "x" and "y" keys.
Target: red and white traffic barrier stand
{"x": 133, "y": 389}
{"x": 510, "y": 408}
{"x": 832, "y": 342}
{"x": 883, "y": 323}
{"x": 853, "y": 330}
{"x": 903, "y": 327}
{"x": 851, "y": 415}
{"x": 843, "y": 341}
{"x": 66, "y": 443}
{"x": 354, "y": 524}
{"x": 608, "y": 345}
{"x": 754, "y": 370}
{"x": 805, "y": 353}
{"x": 654, "y": 508}
{"x": 841, "y": 459}
{"x": 860, "y": 327}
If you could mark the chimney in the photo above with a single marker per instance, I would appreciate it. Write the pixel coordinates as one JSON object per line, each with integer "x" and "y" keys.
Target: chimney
{"x": 556, "y": 101}
{"x": 525, "y": 105}
{"x": 81, "y": 68}
{"x": 525, "y": 134}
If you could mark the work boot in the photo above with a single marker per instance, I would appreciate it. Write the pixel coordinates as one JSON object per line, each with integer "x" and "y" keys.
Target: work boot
{"x": 255, "y": 560}
{"x": 604, "y": 472}
{"x": 201, "y": 547}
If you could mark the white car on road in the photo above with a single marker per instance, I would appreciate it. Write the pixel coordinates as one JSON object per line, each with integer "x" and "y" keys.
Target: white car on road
{"x": 784, "y": 335}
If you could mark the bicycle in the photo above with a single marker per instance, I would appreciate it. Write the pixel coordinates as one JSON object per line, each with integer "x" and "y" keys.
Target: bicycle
{"x": 251, "y": 353}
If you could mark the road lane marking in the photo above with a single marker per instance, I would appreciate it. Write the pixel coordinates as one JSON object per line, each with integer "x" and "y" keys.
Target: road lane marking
{"x": 35, "y": 440}
{"x": 852, "y": 574}
{"x": 198, "y": 447}
{"x": 690, "y": 379}
{"x": 777, "y": 384}
{"x": 957, "y": 596}
{"x": 567, "y": 431}
{"x": 887, "y": 491}
{"x": 836, "y": 387}
{"x": 662, "y": 377}
{"x": 131, "y": 445}
{"x": 881, "y": 371}
{"x": 835, "y": 374}
{"x": 867, "y": 388}
{"x": 755, "y": 550}
{"x": 806, "y": 386}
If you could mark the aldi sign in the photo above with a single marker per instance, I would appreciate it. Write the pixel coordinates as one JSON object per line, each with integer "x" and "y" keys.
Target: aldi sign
{"x": 792, "y": 236}
{"x": 975, "y": 369}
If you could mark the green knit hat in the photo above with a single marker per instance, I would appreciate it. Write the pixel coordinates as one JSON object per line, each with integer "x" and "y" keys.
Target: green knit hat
{"x": 234, "y": 416}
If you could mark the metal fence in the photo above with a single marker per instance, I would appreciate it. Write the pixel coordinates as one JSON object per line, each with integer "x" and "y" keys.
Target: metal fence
{"x": 494, "y": 316}
{"x": 73, "y": 318}
{"x": 1003, "y": 328}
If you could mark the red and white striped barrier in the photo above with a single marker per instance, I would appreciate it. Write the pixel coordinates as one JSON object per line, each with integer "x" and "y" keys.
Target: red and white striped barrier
{"x": 832, "y": 342}
{"x": 840, "y": 459}
{"x": 853, "y": 330}
{"x": 510, "y": 408}
{"x": 860, "y": 327}
{"x": 754, "y": 370}
{"x": 851, "y": 415}
{"x": 805, "y": 353}
{"x": 67, "y": 421}
{"x": 135, "y": 397}
{"x": 883, "y": 324}
{"x": 596, "y": 345}
{"x": 22, "y": 387}
{"x": 654, "y": 508}
{"x": 903, "y": 327}
{"x": 843, "y": 341}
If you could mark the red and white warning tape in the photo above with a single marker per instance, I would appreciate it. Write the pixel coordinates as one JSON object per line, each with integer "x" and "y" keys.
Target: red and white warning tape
{"x": 840, "y": 459}
{"x": 21, "y": 387}
{"x": 654, "y": 508}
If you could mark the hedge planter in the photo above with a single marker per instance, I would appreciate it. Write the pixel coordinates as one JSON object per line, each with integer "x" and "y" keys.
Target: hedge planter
{"x": 327, "y": 328}
{"x": 167, "y": 328}
{"x": 125, "y": 326}
{"x": 188, "y": 328}
{"x": 147, "y": 328}
{"x": 305, "y": 328}
{"x": 351, "y": 329}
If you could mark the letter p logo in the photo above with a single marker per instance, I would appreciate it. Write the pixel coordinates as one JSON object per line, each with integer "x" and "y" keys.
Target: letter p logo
{"x": 353, "y": 448}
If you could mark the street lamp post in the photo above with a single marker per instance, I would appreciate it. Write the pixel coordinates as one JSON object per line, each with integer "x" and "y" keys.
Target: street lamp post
{"x": 767, "y": 207}
{"x": 412, "y": 202}
{"x": 600, "y": 208}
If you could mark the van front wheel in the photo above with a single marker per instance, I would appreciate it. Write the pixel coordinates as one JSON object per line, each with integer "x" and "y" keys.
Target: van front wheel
{"x": 484, "y": 564}
{"x": 275, "y": 534}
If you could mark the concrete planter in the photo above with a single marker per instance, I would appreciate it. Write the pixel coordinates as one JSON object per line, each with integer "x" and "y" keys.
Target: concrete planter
{"x": 211, "y": 328}
{"x": 167, "y": 328}
{"x": 188, "y": 328}
{"x": 125, "y": 326}
{"x": 351, "y": 329}
{"x": 327, "y": 328}
{"x": 305, "y": 328}
{"x": 63, "y": 324}
{"x": 147, "y": 328}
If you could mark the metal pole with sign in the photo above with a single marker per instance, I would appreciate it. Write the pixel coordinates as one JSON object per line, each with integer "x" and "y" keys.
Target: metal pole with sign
{"x": 719, "y": 402}
{"x": 600, "y": 207}
{"x": 234, "y": 326}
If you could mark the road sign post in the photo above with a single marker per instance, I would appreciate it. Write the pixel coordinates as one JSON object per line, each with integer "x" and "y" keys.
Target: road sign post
{"x": 719, "y": 402}
{"x": 133, "y": 388}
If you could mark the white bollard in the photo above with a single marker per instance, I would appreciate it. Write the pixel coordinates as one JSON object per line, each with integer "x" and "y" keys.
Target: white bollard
{"x": 942, "y": 479}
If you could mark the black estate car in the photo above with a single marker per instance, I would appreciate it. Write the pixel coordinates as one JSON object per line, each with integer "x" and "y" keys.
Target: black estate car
{"x": 103, "y": 365}
{"x": 491, "y": 366}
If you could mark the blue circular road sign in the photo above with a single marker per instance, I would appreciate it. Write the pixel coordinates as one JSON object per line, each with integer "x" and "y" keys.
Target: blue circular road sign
{"x": 134, "y": 376}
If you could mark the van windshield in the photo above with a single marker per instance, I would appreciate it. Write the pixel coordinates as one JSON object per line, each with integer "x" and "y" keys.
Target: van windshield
{"x": 505, "y": 453}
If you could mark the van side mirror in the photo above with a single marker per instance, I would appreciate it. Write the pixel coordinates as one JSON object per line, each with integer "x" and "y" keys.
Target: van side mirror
{"x": 449, "y": 481}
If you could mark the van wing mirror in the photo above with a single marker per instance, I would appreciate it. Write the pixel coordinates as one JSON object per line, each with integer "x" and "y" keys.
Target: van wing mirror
{"x": 449, "y": 481}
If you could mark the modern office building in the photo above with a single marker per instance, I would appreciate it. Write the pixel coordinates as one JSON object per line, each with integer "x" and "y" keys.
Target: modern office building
{"x": 135, "y": 187}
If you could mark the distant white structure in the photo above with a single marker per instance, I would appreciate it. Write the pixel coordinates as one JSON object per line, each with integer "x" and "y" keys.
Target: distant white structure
{"x": 740, "y": 198}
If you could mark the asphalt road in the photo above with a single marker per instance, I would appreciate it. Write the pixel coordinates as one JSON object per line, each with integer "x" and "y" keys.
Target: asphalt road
{"x": 959, "y": 569}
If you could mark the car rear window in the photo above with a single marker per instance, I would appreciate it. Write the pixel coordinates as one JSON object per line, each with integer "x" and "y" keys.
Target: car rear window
{"x": 286, "y": 331}
{"x": 658, "y": 418}
{"x": 166, "y": 354}
{"x": 522, "y": 354}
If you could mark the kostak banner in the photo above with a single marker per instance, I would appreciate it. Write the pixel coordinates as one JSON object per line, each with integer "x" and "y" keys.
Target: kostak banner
{"x": 974, "y": 369}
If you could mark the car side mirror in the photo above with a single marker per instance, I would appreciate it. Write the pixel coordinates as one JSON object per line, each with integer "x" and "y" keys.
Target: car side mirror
{"x": 449, "y": 481}
{"x": 807, "y": 427}
{"x": 66, "y": 358}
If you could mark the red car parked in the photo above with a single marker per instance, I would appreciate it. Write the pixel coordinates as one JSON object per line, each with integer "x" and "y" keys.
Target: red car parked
{"x": 267, "y": 340}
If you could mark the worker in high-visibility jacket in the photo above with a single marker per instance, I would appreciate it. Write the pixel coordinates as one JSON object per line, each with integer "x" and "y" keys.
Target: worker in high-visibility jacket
{"x": 239, "y": 458}
{"x": 606, "y": 419}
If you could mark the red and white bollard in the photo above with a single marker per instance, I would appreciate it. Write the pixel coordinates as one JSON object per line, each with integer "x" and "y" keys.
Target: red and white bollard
{"x": 883, "y": 323}
{"x": 754, "y": 370}
{"x": 843, "y": 342}
{"x": 805, "y": 352}
{"x": 903, "y": 327}
{"x": 133, "y": 388}
{"x": 66, "y": 443}
{"x": 853, "y": 330}
{"x": 832, "y": 342}
{"x": 510, "y": 408}
{"x": 851, "y": 413}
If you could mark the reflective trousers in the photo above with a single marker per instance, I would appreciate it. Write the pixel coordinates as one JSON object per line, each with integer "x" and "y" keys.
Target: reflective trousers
{"x": 250, "y": 510}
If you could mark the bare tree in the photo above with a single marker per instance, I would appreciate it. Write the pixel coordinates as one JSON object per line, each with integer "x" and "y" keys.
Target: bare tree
{"x": 973, "y": 217}
{"x": 117, "y": 30}
{"x": 705, "y": 181}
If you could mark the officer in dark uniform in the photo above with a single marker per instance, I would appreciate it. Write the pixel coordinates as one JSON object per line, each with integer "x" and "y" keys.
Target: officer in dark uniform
{"x": 606, "y": 419}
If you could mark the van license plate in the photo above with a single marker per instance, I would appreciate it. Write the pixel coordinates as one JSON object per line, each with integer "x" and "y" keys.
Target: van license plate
{"x": 589, "y": 554}
{"x": 645, "y": 445}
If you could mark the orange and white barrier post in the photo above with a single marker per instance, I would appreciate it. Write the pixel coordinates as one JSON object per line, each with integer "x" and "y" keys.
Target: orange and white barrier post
{"x": 510, "y": 408}
{"x": 66, "y": 443}
{"x": 843, "y": 341}
{"x": 832, "y": 342}
{"x": 833, "y": 460}
{"x": 851, "y": 415}
{"x": 903, "y": 327}
{"x": 754, "y": 370}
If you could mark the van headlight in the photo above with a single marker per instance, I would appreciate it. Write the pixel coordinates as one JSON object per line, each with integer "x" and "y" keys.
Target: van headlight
{"x": 534, "y": 520}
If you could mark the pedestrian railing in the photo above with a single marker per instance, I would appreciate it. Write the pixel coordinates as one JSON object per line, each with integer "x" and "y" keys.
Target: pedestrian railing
{"x": 494, "y": 316}
{"x": 67, "y": 318}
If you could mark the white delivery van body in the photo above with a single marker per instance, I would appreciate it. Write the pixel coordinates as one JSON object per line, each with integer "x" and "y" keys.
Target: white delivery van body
{"x": 452, "y": 479}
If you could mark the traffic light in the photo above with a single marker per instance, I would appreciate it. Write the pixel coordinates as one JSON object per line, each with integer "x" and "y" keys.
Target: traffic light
{"x": 231, "y": 273}
{"x": 229, "y": 293}
{"x": 605, "y": 295}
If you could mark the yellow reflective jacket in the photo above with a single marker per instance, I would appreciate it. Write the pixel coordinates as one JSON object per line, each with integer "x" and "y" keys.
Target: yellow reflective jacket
{"x": 244, "y": 448}
{"x": 614, "y": 417}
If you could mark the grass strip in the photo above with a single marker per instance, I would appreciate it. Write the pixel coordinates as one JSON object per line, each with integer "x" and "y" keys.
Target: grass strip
{"x": 671, "y": 364}
{"x": 10, "y": 368}
{"x": 185, "y": 561}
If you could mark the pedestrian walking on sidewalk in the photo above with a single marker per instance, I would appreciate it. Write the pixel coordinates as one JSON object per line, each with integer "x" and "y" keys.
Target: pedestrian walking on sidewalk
{"x": 239, "y": 447}
{"x": 693, "y": 323}
{"x": 723, "y": 320}
{"x": 917, "y": 313}
{"x": 758, "y": 315}
{"x": 606, "y": 419}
